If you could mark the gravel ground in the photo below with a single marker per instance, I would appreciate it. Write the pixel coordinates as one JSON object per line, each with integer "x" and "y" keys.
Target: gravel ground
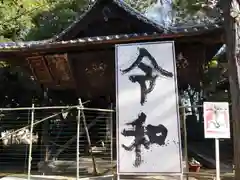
{"x": 110, "y": 178}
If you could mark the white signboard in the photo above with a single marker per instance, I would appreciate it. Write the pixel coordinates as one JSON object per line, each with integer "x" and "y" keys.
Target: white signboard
{"x": 148, "y": 136}
{"x": 216, "y": 120}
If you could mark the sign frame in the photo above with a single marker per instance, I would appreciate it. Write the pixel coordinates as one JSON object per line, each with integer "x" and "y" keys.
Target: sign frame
{"x": 211, "y": 124}
{"x": 216, "y": 126}
{"x": 117, "y": 109}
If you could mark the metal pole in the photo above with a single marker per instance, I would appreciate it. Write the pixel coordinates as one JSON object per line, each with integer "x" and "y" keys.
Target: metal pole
{"x": 78, "y": 141}
{"x": 185, "y": 143}
{"x": 41, "y": 108}
{"x": 30, "y": 146}
{"x": 217, "y": 159}
{"x": 111, "y": 136}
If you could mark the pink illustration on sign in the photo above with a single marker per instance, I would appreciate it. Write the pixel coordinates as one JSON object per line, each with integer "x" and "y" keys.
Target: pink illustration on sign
{"x": 216, "y": 119}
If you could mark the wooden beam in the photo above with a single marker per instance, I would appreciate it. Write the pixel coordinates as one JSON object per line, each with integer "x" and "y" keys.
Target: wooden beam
{"x": 40, "y": 69}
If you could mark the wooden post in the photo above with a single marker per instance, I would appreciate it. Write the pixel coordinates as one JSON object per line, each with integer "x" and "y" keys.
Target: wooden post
{"x": 45, "y": 127}
{"x": 233, "y": 56}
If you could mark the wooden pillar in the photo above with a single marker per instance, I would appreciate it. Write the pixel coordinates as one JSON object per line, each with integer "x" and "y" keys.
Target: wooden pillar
{"x": 232, "y": 29}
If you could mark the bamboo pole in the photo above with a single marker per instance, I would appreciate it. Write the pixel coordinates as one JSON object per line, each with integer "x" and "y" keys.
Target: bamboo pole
{"x": 185, "y": 144}
{"x": 78, "y": 141}
{"x": 88, "y": 138}
{"x": 30, "y": 145}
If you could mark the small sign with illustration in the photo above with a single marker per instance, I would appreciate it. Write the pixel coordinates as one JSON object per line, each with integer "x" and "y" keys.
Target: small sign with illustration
{"x": 216, "y": 120}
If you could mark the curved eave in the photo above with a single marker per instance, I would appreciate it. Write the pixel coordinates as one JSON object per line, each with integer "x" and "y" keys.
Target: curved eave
{"x": 138, "y": 15}
{"x": 6, "y": 48}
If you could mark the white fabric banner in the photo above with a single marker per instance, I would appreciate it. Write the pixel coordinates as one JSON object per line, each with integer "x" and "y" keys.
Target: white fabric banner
{"x": 148, "y": 136}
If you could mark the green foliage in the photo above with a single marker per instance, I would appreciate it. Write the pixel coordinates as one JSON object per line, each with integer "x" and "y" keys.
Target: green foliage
{"x": 140, "y": 5}
{"x": 188, "y": 6}
{"x": 16, "y": 17}
{"x": 34, "y": 20}
{"x": 185, "y": 6}
{"x": 62, "y": 14}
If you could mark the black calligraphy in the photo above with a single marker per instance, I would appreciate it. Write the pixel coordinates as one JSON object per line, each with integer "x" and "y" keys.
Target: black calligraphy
{"x": 149, "y": 75}
{"x": 144, "y": 135}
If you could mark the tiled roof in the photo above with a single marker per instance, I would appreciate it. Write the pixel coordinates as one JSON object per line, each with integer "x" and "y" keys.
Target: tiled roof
{"x": 120, "y": 4}
{"x": 183, "y": 25}
{"x": 47, "y": 44}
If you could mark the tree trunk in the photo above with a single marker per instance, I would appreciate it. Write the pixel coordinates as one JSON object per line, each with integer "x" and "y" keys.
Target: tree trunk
{"x": 233, "y": 44}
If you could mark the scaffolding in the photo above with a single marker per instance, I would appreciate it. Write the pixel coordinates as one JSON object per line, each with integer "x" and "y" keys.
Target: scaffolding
{"x": 80, "y": 142}
{"x": 67, "y": 130}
